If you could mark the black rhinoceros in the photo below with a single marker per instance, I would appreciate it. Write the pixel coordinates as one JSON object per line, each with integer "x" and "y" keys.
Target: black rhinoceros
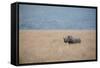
{"x": 71, "y": 39}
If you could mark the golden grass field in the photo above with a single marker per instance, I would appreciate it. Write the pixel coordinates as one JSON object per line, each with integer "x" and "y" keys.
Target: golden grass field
{"x": 36, "y": 46}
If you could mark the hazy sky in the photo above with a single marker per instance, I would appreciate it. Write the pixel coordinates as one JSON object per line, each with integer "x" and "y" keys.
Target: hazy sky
{"x": 52, "y": 17}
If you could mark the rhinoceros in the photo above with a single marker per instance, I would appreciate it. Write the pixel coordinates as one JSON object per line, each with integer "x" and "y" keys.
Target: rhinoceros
{"x": 71, "y": 39}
